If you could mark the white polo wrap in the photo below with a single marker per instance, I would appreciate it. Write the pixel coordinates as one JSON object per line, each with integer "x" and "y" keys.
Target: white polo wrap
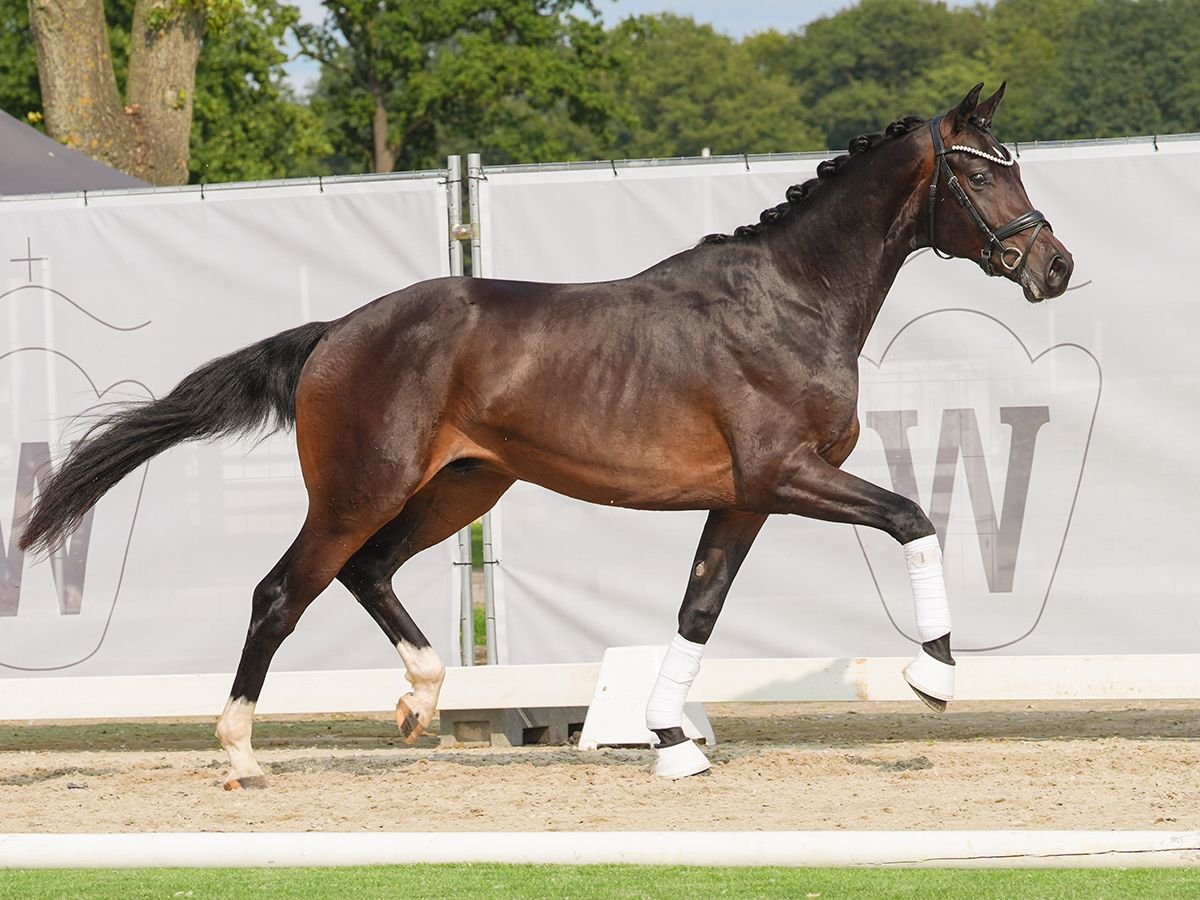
{"x": 680, "y": 666}
{"x": 924, "y": 559}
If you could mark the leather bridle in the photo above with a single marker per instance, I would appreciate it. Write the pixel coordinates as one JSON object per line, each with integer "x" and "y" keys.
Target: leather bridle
{"x": 995, "y": 246}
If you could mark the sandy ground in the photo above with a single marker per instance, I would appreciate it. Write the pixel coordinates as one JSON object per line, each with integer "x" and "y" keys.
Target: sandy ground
{"x": 776, "y": 766}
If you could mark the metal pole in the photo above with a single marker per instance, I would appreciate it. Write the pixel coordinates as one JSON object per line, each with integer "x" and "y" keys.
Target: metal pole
{"x": 454, "y": 208}
{"x": 474, "y": 177}
{"x": 489, "y": 590}
{"x": 466, "y": 618}
{"x": 466, "y": 614}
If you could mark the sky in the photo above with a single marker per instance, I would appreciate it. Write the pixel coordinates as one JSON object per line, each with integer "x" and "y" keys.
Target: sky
{"x": 737, "y": 18}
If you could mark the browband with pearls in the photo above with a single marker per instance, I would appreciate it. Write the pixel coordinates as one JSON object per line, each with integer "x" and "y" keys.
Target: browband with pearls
{"x": 990, "y": 157}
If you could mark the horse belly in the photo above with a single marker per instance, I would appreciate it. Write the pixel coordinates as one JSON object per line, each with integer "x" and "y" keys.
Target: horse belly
{"x": 684, "y": 470}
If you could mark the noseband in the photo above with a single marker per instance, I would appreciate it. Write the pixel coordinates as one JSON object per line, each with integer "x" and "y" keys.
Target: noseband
{"x": 1011, "y": 258}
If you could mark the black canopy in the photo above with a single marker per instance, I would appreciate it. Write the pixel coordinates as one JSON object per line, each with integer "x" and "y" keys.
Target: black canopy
{"x": 31, "y": 163}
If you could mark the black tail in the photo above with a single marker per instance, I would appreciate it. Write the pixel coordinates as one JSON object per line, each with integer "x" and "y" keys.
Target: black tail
{"x": 242, "y": 392}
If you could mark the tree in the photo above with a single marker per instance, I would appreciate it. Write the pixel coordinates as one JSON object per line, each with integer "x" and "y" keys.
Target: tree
{"x": 1026, "y": 45}
{"x": 1131, "y": 68}
{"x": 146, "y": 132}
{"x": 688, "y": 87}
{"x": 400, "y": 76}
{"x": 864, "y": 67}
{"x": 20, "y": 95}
{"x": 247, "y": 124}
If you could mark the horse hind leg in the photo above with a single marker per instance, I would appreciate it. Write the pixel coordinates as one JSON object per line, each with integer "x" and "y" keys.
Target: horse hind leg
{"x": 458, "y": 495}
{"x": 279, "y": 600}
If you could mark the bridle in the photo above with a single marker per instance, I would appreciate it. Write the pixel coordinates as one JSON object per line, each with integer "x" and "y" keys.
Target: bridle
{"x": 995, "y": 246}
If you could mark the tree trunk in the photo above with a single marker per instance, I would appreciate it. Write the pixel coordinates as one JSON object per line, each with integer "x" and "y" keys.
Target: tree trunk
{"x": 162, "y": 81}
{"x": 384, "y": 157}
{"x": 79, "y": 90}
{"x": 148, "y": 135}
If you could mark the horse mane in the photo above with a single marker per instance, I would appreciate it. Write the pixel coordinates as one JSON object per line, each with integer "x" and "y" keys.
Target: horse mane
{"x": 830, "y": 167}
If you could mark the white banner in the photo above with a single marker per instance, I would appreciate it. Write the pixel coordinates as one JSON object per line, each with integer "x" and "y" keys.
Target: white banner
{"x": 119, "y": 296}
{"x": 1052, "y": 444}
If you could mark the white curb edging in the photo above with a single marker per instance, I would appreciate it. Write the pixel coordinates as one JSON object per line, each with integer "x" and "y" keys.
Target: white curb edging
{"x": 940, "y": 849}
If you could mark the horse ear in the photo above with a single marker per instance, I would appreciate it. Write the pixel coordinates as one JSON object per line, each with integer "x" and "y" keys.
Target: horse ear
{"x": 987, "y": 109}
{"x": 962, "y": 114}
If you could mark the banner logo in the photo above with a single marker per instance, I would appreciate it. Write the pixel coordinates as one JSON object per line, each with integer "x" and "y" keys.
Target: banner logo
{"x": 54, "y": 610}
{"x": 67, "y": 563}
{"x": 991, "y": 441}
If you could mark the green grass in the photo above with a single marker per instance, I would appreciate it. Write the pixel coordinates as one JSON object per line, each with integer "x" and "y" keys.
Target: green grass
{"x": 477, "y": 546}
{"x": 579, "y": 882}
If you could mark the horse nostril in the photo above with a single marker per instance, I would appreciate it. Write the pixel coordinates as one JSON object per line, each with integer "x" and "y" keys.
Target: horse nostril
{"x": 1058, "y": 274}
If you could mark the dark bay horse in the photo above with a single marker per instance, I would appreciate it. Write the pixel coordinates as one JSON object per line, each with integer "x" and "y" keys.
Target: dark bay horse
{"x": 724, "y": 378}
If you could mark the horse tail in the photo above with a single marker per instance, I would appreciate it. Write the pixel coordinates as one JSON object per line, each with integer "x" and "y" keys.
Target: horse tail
{"x": 251, "y": 389}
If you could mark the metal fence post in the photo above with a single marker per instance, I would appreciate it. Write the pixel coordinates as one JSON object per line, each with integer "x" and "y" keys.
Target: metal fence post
{"x": 455, "y": 234}
{"x": 474, "y": 177}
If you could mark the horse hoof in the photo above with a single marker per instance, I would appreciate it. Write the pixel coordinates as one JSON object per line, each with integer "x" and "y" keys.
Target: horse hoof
{"x": 931, "y": 679}
{"x": 246, "y": 782}
{"x": 409, "y": 722}
{"x": 932, "y": 702}
{"x": 680, "y": 761}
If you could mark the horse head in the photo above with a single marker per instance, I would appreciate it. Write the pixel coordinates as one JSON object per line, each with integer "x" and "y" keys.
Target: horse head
{"x": 978, "y": 209}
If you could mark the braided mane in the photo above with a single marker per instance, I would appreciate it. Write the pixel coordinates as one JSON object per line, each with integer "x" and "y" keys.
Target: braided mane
{"x": 797, "y": 192}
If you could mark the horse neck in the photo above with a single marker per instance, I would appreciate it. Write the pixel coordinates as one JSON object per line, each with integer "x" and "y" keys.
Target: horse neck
{"x": 844, "y": 247}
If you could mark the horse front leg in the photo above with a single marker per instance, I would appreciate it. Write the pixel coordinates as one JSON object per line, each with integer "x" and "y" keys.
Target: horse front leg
{"x": 819, "y": 490}
{"x": 726, "y": 540}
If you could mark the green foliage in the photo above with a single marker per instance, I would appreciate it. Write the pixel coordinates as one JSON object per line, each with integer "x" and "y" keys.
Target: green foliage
{"x": 401, "y": 80}
{"x": 539, "y": 80}
{"x": 1130, "y": 68}
{"x": 1077, "y": 68}
{"x": 20, "y": 91}
{"x": 246, "y": 124}
{"x": 870, "y": 64}
{"x": 686, "y": 87}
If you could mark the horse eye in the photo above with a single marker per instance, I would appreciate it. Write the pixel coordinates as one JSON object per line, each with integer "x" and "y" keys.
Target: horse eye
{"x": 979, "y": 179}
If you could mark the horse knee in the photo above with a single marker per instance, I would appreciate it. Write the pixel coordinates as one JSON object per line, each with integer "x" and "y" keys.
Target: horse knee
{"x": 906, "y": 521}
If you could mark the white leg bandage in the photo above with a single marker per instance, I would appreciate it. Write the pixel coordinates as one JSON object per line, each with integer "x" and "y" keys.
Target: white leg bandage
{"x": 680, "y": 666}
{"x": 924, "y": 559}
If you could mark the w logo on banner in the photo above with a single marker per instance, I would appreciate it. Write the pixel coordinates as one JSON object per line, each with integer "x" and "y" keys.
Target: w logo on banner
{"x": 55, "y": 611}
{"x": 991, "y": 441}
{"x": 68, "y": 564}
{"x": 959, "y": 439}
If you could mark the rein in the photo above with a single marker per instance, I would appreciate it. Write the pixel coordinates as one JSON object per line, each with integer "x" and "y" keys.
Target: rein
{"x": 995, "y": 245}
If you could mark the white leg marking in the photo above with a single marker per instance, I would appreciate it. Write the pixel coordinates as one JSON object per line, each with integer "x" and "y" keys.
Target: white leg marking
{"x": 423, "y": 669}
{"x": 233, "y": 731}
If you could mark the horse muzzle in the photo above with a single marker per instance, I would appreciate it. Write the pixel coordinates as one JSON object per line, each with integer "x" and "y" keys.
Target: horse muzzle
{"x": 1049, "y": 280}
